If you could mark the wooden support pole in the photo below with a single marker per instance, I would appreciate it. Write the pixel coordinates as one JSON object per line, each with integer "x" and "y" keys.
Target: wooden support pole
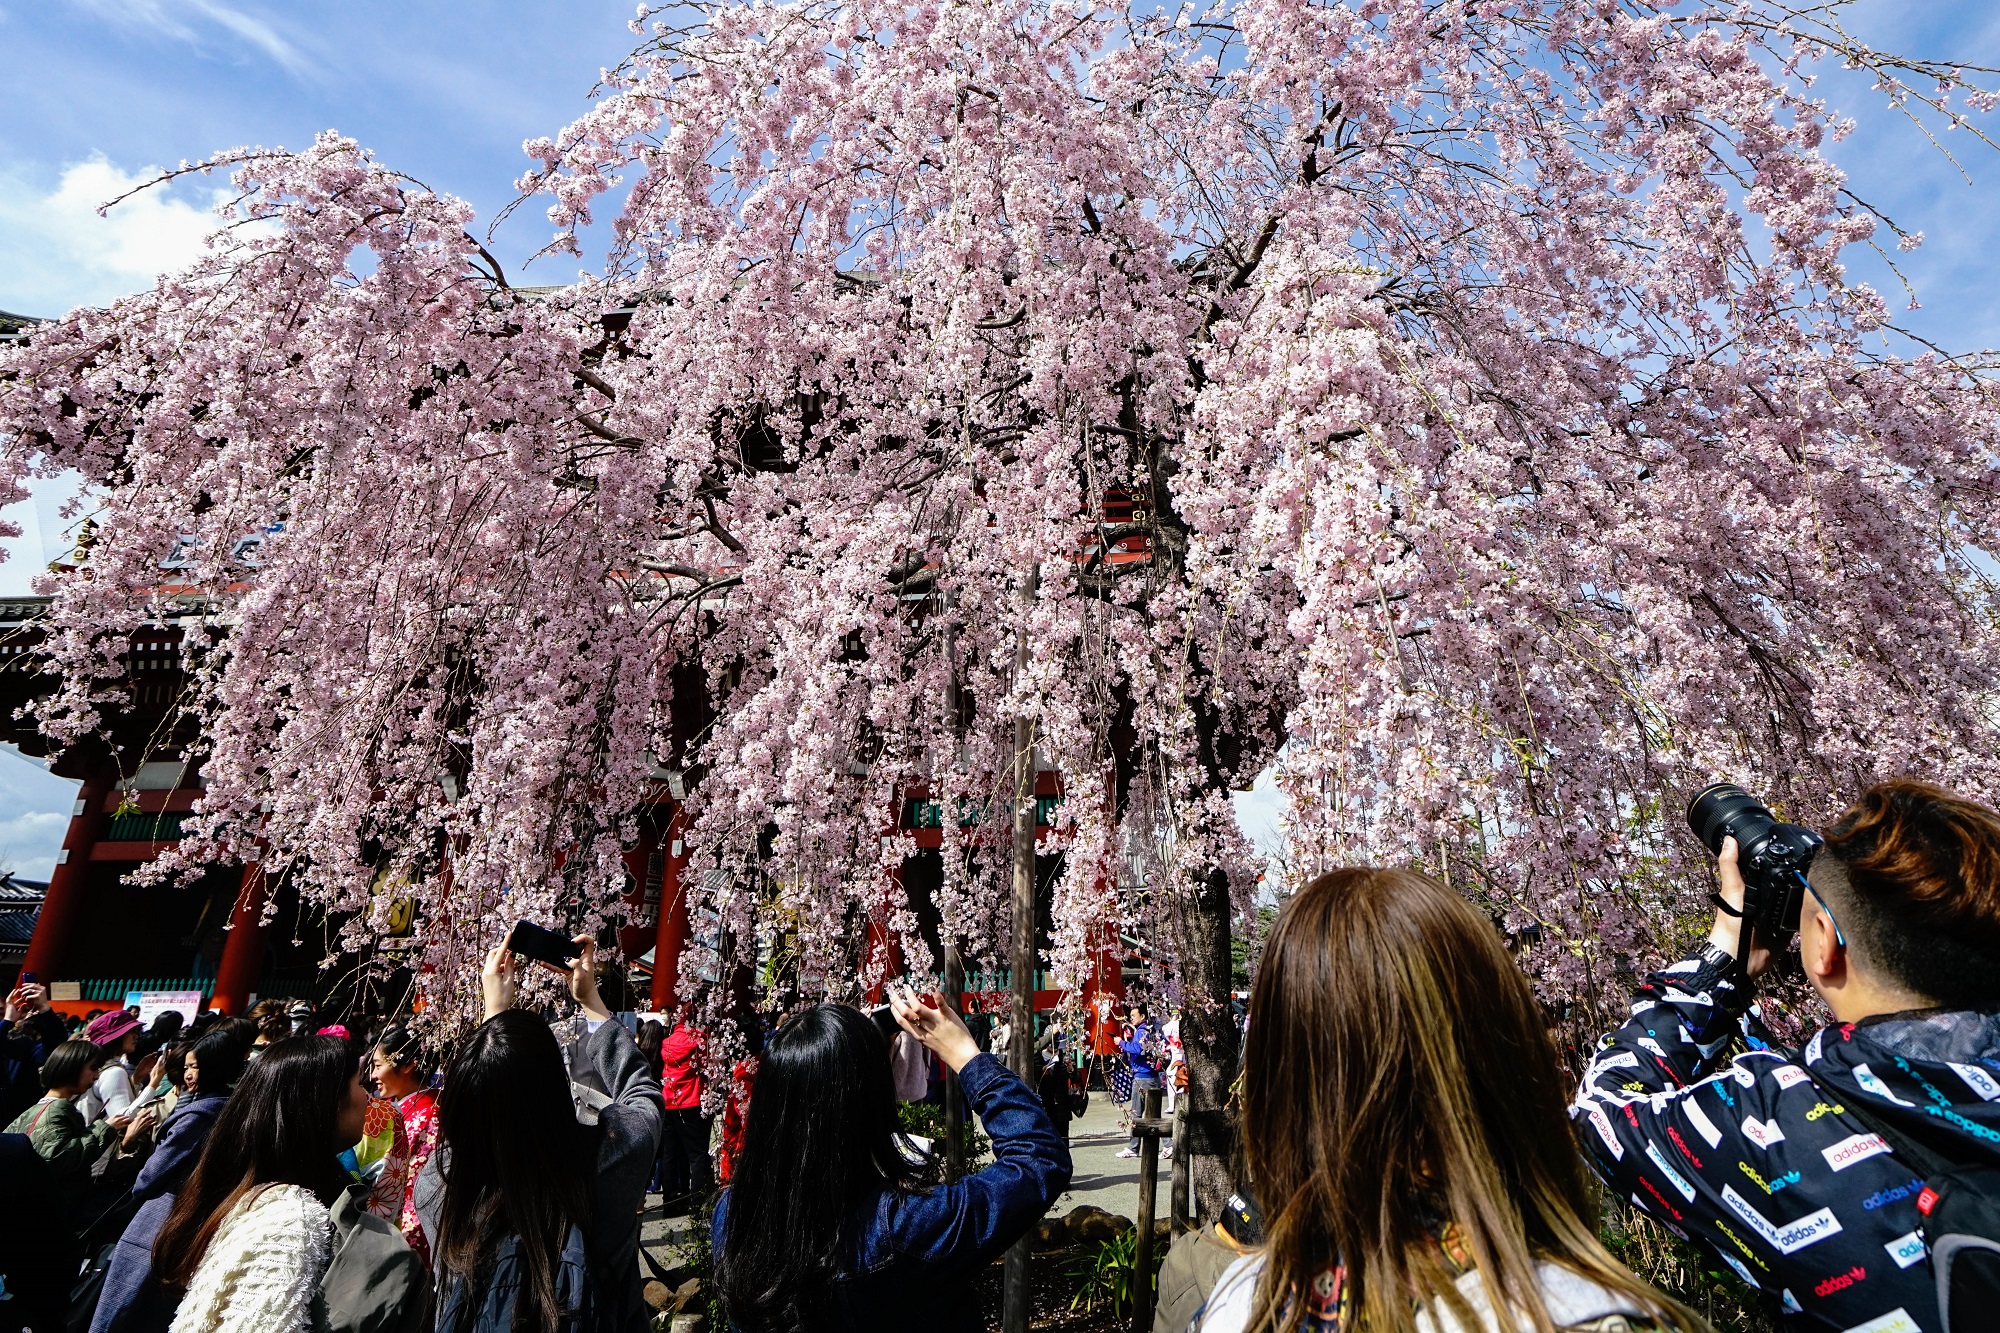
{"x": 954, "y": 1098}
{"x": 1142, "y": 1250}
{"x": 1021, "y": 1012}
{"x": 1178, "y": 1191}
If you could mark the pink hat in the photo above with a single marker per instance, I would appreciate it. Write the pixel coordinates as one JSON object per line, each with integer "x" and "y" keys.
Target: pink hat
{"x": 335, "y": 1030}
{"x": 108, "y": 1029}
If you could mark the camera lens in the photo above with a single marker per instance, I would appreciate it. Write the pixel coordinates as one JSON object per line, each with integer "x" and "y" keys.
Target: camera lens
{"x": 1725, "y": 810}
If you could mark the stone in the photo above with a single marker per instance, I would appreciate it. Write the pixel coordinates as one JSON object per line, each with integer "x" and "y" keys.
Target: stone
{"x": 657, "y": 1295}
{"x": 1051, "y": 1233}
{"x": 1088, "y": 1224}
{"x": 687, "y": 1294}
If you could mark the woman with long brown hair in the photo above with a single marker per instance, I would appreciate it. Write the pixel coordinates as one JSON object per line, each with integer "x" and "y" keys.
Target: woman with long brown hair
{"x": 1405, "y": 1132}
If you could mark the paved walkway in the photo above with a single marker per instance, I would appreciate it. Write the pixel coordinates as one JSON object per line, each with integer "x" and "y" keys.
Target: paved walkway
{"x": 1099, "y": 1176}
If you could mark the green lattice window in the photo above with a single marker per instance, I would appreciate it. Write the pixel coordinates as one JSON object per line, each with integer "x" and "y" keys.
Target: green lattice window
{"x": 163, "y": 827}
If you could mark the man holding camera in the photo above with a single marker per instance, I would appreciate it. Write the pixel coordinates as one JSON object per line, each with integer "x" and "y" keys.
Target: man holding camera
{"x": 1812, "y": 1175}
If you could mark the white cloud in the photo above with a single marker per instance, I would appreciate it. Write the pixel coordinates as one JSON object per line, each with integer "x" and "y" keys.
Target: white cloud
{"x": 189, "y": 21}
{"x": 34, "y": 814}
{"x": 46, "y": 532}
{"x": 1260, "y": 813}
{"x": 60, "y": 254}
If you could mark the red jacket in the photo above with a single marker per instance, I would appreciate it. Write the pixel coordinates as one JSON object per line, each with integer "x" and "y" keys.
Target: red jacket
{"x": 734, "y": 1110}
{"x": 680, "y": 1080}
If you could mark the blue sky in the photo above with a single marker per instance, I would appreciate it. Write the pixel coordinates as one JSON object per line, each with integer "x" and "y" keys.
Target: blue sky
{"x": 102, "y": 92}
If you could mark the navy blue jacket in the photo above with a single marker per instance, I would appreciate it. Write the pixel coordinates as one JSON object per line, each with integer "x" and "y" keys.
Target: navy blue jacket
{"x": 131, "y": 1302}
{"x": 919, "y": 1252}
{"x": 24, "y": 1048}
{"x": 1763, "y": 1159}
{"x": 173, "y": 1157}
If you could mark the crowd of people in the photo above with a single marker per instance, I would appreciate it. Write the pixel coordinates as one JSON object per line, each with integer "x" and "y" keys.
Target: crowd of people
{"x": 1411, "y": 1153}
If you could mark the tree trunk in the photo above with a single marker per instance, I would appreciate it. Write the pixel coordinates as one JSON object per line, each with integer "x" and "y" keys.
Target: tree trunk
{"x": 1209, "y": 1041}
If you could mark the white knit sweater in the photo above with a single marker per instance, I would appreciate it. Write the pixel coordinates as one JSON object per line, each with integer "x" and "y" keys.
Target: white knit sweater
{"x": 263, "y": 1268}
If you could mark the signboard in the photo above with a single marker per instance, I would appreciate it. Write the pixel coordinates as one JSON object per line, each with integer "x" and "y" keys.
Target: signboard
{"x": 65, "y": 990}
{"x": 152, "y": 1003}
{"x": 400, "y": 918}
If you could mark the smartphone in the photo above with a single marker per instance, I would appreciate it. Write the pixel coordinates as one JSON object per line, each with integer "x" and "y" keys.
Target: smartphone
{"x": 27, "y": 979}
{"x": 542, "y": 945}
{"x": 885, "y": 1021}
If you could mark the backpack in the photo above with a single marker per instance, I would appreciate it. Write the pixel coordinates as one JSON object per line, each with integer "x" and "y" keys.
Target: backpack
{"x": 1960, "y": 1205}
{"x": 100, "y": 1245}
{"x": 1961, "y": 1211}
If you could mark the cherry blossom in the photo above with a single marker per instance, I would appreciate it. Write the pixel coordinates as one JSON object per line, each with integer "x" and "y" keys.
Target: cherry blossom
{"x": 1465, "y": 408}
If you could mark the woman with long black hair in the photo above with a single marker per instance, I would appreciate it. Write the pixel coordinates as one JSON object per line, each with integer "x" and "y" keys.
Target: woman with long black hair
{"x": 532, "y": 1216}
{"x": 825, "y": 1227}
{"x": 250, "y": 1235}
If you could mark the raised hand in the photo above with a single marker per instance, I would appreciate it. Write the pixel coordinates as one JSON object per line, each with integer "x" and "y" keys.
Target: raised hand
{"x": 496, "y": 980}
{"x": 1728, "y": 932}
{"x": 583, "y": 979}
{"x": 934, "y": 1023}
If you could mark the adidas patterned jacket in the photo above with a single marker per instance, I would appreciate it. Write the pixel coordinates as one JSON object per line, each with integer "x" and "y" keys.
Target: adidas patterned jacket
{"x": 1762, "y": 1159}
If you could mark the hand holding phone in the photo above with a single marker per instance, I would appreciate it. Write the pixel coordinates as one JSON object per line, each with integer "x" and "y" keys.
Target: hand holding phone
{"x": 543, "y": 945}
{"x": 496, "y": 980}
{"x": 933, "y": 1023}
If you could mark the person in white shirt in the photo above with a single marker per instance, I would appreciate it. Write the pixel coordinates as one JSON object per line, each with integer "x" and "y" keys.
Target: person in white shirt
{"x": 115, "y": 1034}
{"x": 250, "y": 1235}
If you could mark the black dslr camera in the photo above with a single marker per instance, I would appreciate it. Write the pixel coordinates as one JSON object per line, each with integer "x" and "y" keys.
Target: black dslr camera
{"x": 1772, "y": 856}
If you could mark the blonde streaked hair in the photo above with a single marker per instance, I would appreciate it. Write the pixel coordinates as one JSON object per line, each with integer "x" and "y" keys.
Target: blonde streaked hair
{"x": 1398, "y": 1076}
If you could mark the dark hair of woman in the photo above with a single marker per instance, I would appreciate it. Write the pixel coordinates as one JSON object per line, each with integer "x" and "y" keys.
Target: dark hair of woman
{"x": 68, "y": 1061}
{"x": 402, "y": 1046}
{"x": 244, "y": 1030}
{"x": 518, "y": 1163}
{"x": 652, "y": 1037}
{"x": 280, "y": 1127}
{"x": 218, "y": 1061}
{"x": 818, "y": 1140}
{"x": 1399, "y": 1078}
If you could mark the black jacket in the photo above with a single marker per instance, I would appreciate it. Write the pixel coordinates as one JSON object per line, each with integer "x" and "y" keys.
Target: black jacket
{"x": 628, "y": 1138}
{"x": 41, "y": 1255}
{"x": 1765, "y": 1159}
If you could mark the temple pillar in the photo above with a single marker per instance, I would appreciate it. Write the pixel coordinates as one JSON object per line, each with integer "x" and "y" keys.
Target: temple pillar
{"x": 243, "y": 946}
{"x": 1104, "y": 993}
{"x": 638, "y": 932}
{"x": 55, "y": 929}
{"x": 884, "y": 950}
{"x": 670, "y": 935}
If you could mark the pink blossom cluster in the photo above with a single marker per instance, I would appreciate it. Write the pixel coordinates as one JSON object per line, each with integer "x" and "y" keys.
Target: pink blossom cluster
{"x": 1466, "y": 409}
